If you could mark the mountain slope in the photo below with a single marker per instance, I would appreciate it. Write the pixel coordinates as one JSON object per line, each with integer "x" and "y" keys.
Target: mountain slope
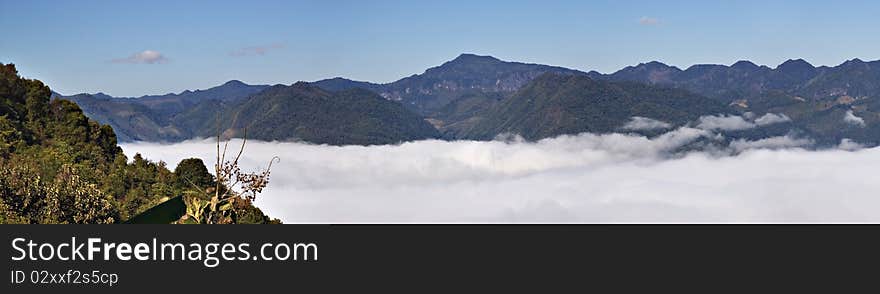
{"x": 298, "y": 112}
{"x": 152, "y": 117}
{"x": 745, "y": 80}
{"x": 340, "y": 84}
{"x": 135, "y": 121}
{"x": 173, "y": 103}
{"x": 466, "y": 74}
{"x": 819, "y": 100}
{"x": 553, "y": 105}
{"x": 459, "y": 95}
{"x": 305, "y": 112}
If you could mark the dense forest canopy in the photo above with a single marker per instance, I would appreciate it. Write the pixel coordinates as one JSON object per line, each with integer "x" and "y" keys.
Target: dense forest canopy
{"x": 58, "y": 166}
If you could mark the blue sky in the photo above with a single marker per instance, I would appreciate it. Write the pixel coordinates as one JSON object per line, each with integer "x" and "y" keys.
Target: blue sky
{"x": 92, "y": 46}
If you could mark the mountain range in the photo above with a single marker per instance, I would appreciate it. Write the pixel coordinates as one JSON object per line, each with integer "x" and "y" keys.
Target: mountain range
{"x": 479, "y": 97}
{"x": 553, "y": 105}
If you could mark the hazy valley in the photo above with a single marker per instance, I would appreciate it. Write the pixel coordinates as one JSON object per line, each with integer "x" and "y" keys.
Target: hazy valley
{"x": 478, "y": 139}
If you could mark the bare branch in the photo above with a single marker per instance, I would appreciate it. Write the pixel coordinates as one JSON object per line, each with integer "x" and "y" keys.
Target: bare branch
{"x": 244, "y": 141}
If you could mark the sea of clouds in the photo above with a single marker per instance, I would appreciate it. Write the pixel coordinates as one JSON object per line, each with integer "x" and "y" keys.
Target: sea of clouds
{"x": 586, "y": 178}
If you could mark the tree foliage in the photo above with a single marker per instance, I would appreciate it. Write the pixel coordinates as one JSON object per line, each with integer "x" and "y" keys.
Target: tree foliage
{"x": 58, "y": 166}
{"x": 192, "y": 172}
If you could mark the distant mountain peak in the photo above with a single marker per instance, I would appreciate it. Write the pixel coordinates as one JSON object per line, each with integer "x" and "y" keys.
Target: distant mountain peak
{"x": 650, "y": 66}
{"x": 234, "y": 83}
{"x": 469, "y": 56}
{"x": 705, "y": 67}
{"x": 651, "y": 72}
{"x": 305, "y": 86}
{"x": 744, "y": 64}
{"x": 852, "y": 62}
{"x": 797, "y": 67}
{"x": 655, "y": 63}
{"x": 301, "y": 84}
{"x": 340, "y": 84}
{"x": 795, "y": 63}
{"x": 102, "y": 95}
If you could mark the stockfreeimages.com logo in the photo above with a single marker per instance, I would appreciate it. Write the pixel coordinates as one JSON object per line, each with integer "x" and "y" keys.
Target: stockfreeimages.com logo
{"x": 210, "y": 254}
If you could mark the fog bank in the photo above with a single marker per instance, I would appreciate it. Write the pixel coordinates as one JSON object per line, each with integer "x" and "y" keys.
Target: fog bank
{"x": 570, "y": 179}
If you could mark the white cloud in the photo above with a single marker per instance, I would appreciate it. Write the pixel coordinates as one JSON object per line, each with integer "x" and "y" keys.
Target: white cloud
{"x": 582, "y": 179}
{"x": 147, "y": 56}
{"x": 724, "y": 123}
{"x": 779, "y": 142}
{"x": 852, "y": 119}
{"x": 255, "y": 50}
{"x": 649, "y": 21}
{"x": 772, "y": 118}
{"x": 850, "y": 145}
{"x": 738, "y": 123}
{"x": 638, "y": 123}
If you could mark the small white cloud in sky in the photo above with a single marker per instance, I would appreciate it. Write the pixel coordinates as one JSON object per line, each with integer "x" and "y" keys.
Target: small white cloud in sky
{"x": 649, "y": 21}
{"x": 146, "y": 57}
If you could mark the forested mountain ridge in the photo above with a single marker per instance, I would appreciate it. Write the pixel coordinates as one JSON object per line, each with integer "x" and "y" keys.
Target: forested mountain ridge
{"x": 454, "y": 95}
{"x": 154, "y": 117}
{"x": 59, "y": 166}
{"x": 457, "y": 95}
{"x": 553, "y": 105}
{"x": 284, "y": 113}
{"x": 308, "y": 113}
{"x": 828, "y": 103}
{"x": 746, "y": 80}
{"x": 468, "y": 73}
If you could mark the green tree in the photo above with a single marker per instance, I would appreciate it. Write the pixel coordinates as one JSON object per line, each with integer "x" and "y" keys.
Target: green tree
{"x": 192, "y": 172}
{"x": 58, "y": 166}
{"x": 10, "y": 136}
{"x": 68, "y": 199}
